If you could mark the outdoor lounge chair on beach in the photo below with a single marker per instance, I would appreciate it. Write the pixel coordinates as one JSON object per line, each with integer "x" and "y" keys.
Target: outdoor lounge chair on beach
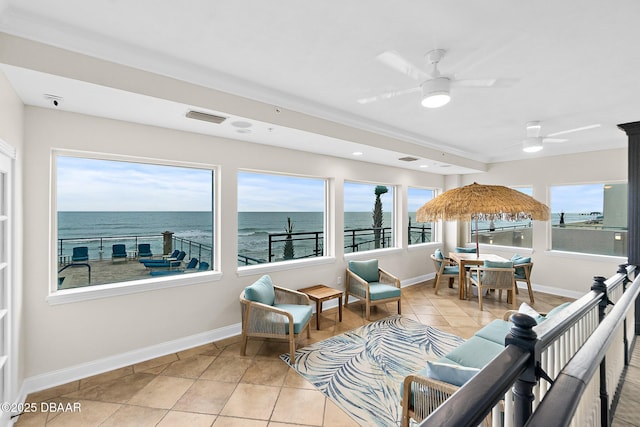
{"x": 118, "y": 252}
{"x": 160, "y": 263}
{"x": 190, "y": 268}
{"x": 80, "y": 253}
{"x": 144, "y": 250}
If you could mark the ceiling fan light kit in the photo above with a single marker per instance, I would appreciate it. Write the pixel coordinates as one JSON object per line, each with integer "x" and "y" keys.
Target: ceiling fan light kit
{"x": 532, "y": 144}
{"x": 435, "y": 92}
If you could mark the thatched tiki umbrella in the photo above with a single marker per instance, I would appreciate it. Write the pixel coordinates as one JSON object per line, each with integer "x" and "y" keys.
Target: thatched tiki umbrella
{"x": 482, "y": 202}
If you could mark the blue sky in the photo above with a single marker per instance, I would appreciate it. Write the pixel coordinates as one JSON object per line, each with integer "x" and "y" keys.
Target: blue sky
{"x": 104, "y": 185}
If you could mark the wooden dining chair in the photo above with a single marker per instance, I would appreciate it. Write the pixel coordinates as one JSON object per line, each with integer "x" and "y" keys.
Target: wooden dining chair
{"x": 494, "y": 275}
{"x": 445, "y": 268}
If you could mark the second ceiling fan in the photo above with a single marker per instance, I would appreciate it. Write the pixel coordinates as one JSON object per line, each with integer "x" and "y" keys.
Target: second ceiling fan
{"x": 434, "y": 86}
{"x": 534, "y": 140}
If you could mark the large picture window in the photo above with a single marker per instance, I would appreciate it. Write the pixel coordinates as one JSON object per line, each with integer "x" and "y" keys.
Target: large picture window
{"x": 517, "y": 234}
{"x": 280, "y": 218}
{"x": 121, "y": 221}
{"x": 419, "y": 232}
{"x": 589, "y": 218}
{"x": 368, "y": 217}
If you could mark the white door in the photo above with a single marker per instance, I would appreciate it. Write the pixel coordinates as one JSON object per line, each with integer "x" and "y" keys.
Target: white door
{"x": 7, "y": 339}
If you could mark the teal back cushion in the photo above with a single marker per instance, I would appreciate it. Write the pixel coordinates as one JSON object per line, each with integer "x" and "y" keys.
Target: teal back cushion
{"x": 518, "y": 259}
{"x": 498, "y": 264}
{"x": 461, "y": 250}
{"x": 438, "y": 254}
{"x": 368, "y": 270}
{"x": 261, "y": 291}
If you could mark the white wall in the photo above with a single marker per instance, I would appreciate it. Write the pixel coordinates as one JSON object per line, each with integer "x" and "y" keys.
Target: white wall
{"x": 572, "y": 273}
{"x": 61, "y": 336}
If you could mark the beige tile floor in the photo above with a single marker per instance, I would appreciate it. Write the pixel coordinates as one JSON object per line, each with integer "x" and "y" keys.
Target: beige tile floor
{"x": 213, "y": 385}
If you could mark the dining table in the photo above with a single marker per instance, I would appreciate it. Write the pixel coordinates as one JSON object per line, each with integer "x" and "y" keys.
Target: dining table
{"x": 464, "y": 259}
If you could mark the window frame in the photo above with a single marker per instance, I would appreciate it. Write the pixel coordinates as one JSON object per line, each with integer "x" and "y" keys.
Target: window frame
{"x": 436, "y": 235}
{"x": 328, "y": 256}
{"x": 64, "y": 296}
{"x": 396, "y": 240}
{"x": 581, "y": 255}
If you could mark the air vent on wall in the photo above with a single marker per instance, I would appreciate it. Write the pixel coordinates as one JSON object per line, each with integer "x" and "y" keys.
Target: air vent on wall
{"x": 408, "y": 159}
{"x": 211, "y": 118}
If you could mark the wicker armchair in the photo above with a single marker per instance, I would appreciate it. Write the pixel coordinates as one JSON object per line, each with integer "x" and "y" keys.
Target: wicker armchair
{"x": 371, "y": 284}
{"x": 286, "y": 317}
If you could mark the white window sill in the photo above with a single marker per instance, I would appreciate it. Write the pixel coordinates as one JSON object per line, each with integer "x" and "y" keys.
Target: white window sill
{"x": 371, "y": 253}
{"x": 270, "y": 267}
{"x": 87, "y": 293}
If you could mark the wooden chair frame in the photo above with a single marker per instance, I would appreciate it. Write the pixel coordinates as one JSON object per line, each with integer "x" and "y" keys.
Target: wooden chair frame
{"x": 359, "y": 288}
{"x": 527, "y": 277}
{"x": 266, "y": 321}
{"x": 440, "y": 274}
{"x": 503, "y": 278}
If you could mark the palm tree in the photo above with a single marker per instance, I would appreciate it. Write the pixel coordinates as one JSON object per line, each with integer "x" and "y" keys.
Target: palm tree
{"x": 377, "y": 214}
{"x": 289, "y": 252}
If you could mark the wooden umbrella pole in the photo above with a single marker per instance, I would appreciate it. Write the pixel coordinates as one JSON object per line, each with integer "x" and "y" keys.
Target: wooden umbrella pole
{"x": 477, "y": 241}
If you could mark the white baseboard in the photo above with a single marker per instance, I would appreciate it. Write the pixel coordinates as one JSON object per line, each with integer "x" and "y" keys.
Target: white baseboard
{"x": 555, "y": 291}
{"x": 84, "y": 370}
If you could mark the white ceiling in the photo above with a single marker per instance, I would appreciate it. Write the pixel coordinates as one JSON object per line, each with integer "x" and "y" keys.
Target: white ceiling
{"x": 572, "y": 63}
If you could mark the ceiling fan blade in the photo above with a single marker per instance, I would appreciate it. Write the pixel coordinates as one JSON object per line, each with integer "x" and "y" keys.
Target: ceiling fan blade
{"x": 575, "y": 130}
{"x": 474, "y": 82}
{"x": 387, "y": 95}
{"x": 553, "y": 140}
{"x": 396, "y": 61}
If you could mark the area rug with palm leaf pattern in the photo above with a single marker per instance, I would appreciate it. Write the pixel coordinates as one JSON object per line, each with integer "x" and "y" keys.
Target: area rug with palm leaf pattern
{"x": 362, "y": 370}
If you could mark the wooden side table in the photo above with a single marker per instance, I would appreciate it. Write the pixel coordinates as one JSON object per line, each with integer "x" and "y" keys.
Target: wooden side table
{"x": 320, "y": 294}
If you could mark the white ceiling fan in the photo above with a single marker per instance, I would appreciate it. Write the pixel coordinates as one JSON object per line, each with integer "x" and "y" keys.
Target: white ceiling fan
{"x": 534, "y": 141}
{"x": 434, "y": 86}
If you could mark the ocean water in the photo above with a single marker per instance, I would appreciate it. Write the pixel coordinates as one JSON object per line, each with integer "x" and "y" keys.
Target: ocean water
{"x": 94, "y": 229}
{"x": 253, "y": 229}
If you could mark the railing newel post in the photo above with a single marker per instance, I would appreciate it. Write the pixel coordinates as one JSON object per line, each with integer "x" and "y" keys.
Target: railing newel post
{"x": 522, "y": 335}
{"x": 622, "y": 269}
{"x": 599, "y": 285}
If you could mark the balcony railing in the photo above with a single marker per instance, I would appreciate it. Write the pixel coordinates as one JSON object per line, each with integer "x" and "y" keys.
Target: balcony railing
{"x": 569, "y": 349}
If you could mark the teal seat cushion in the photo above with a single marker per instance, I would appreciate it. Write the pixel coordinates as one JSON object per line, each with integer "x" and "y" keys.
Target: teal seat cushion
{"x": 450, "y": 373}
{"x": 477, "y": 352}
{"x": 367, "y": 270}
{"x": 301, "y": 315}
{"x": 495, "y": 331}
{"x": 498, "y": 264}
{"x": 261, "y": 291}
{"x": 451, "y": 270}
{"x": 462, "y": 250}
{"x": 379, "y": 291}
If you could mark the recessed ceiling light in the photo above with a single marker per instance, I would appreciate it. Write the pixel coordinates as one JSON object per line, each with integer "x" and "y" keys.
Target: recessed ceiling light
{"x": 241, "y": 124}
{"x": 243, "y": 130}
{"x": 424, "y": 166}
{"x": 357, "y": 153}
